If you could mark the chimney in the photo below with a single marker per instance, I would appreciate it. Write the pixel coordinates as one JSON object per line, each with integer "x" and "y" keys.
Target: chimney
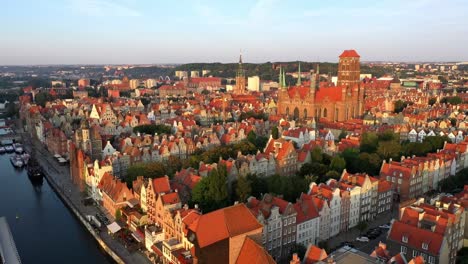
{"x": 195, "y": 206}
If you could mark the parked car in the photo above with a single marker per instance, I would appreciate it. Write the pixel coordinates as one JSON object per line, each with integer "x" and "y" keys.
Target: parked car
{"x": 385, "y": 226}
{"x": 346, "y": 243}
{"x": 362, "y": 239}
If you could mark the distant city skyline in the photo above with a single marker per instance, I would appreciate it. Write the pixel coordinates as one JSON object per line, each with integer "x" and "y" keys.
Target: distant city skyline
{"x": 162, "y": 32}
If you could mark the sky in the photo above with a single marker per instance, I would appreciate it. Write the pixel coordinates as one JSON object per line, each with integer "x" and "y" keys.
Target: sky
{"x": 183, "y": 31}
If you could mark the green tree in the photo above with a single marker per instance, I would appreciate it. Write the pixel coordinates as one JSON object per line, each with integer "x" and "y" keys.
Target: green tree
{"x": 369, "y": 163}
{"x": 417, "y": 149}
{"x": 338, "y": 164}
{"x": 453, "y": 100}
{"x": 351, "y": 157}
{"x": 342, "y": 135}
{"x": 243, "y": 189}
{"x": 362, "y": 226}
{"x": 453, "y": 122}
{"x": 432, "y": 101}
{"x": 252, "y": 137}
{"x": 324, "y": 245}
{"x": 316, "y": 155}
{"x": 388, "y": 135}
{"x": 152, "y": 129}
{"x": 42, "y": 98}
{"x": 261, "y": 142}
{"x": 118, "y": 215}
{"x": 211, "y": 192}
{"x": 389, "y": 149}
{"x": 332, "y": 175}
{"x": 257, "y": 184}
{"x": 400, "y": 106}
{"x": 436, "y": 142}
{"x": 369, "y": 142}
{"x": 299, "y": 249}
{"x": 275, "y": 132}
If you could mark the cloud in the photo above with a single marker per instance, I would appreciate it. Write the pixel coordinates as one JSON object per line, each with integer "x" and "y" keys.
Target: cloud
{"x": 103, "y": 8}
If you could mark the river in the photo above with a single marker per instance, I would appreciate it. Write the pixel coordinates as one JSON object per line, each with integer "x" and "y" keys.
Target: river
{"x": 43, "y": 228}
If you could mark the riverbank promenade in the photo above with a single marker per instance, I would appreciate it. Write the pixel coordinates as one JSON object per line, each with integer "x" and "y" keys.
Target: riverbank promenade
{"x": 59, "y": 178}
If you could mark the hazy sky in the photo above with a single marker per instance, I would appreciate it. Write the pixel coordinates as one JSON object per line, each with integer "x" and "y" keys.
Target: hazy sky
{"x": 178, "y": 31}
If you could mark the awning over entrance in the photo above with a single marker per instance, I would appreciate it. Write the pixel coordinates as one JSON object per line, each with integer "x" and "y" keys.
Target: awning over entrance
{"x": 114, "y": 227}
{"x": 137, "y": 237}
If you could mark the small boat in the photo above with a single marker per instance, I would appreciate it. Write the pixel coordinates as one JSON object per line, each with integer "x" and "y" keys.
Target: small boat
{"x": 9, "y": 149}
{"x": 17, "y": 161}
{"x": 35, "y": 172}
{"x": 18, "y": 148}
{"x": 2, "y": 150}
{"x": 25, "y": 157}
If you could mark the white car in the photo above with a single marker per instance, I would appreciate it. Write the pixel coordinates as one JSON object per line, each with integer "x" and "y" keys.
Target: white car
{"x": 362, "y": 239}
{"x": 385, "y": 226}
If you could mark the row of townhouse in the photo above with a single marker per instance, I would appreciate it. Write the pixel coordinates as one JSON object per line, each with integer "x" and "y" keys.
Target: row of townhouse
{"x": 418, "y": 135}
{"x": 434, "y": 231}
{"x": 322, "y": 213}
{"x": 414, "y": 176}
{"x": 153, "y": 212}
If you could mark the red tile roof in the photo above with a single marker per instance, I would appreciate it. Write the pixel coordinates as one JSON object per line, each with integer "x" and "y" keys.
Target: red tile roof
{"x": 252, "y": 253}
{"x": 349, "y": 54}
{"x": 416, "y": 237}
{"x": 314, "y": 254}
{"x": 223, "y": 223}
{"x": 161, "y": 185}
{"x": 170, "y": 198}
{"x": 306, "y": 211}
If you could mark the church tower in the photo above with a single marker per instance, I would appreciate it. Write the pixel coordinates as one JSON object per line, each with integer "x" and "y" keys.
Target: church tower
{"x": 240, "y": 78}
{"x": 349, "y": 68}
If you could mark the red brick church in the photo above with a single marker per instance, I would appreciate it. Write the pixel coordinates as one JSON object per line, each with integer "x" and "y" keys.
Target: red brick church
{"x": 325, "y": 100}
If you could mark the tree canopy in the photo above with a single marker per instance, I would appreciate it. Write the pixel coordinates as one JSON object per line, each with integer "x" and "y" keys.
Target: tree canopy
{"x": 151, "y": 129}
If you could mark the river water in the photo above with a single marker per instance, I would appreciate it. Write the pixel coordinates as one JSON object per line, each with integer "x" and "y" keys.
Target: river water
{"x": 43, "y": 228}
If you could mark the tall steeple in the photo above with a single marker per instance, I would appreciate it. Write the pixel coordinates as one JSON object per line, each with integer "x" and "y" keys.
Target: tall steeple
{"x": 240, "y": 78}
{"x": 283, "y": 80}
{"x": 280, "y": 77}
{"x": 240, "y": 69}
{"x": 299, "y": 81}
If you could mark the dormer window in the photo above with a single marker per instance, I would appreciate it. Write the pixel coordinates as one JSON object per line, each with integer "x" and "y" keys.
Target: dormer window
{"x": 425, "y": 246}
{"x": 404, "y": 239}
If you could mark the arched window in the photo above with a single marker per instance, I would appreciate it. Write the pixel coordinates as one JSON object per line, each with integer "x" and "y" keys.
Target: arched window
{"x": 296, "y": 113}
{"x": 305, "y": 113}
{"x": 287, "y": 110}
{"x": 325, "y": 112}
{"x": 336, "y": 114}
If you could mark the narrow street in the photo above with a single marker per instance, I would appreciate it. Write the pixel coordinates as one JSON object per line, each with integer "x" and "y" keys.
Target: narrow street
{"x": 352, "y": 234}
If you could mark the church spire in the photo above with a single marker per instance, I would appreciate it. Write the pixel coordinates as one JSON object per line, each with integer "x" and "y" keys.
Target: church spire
{"x": 299, "y": 81}
{"x": 283, "y": 80}
{"x": 280, "y": 76}
{"x": 240, "y": 70}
